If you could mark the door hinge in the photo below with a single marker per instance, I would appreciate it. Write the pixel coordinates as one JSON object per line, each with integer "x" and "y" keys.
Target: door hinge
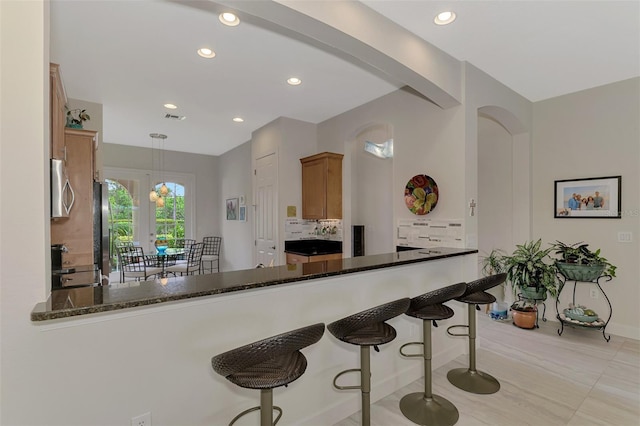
{"x": 255, "y": 172}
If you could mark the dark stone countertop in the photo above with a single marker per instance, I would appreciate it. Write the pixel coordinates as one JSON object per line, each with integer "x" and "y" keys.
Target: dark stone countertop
{"x": 89, "y": 300}
{"x": 313, "y": 247}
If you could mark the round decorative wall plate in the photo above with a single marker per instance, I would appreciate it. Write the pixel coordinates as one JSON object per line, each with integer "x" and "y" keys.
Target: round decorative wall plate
{"x": 421, "y": 194}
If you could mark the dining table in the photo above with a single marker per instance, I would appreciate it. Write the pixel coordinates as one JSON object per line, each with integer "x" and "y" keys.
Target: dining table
{"x": 163, "y": 259}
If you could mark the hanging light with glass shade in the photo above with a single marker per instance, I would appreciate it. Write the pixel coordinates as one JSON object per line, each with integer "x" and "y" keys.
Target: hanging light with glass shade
{"x": 155, "y": 196}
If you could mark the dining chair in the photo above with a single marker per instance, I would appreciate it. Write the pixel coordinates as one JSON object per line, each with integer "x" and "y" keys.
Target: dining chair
{"x": 192, "y": 264}
{"x": 184, "y": 243}
{"x": 211, "y": 253}
{"x": 122, "y": 247}
{"x": 135, "y": 264}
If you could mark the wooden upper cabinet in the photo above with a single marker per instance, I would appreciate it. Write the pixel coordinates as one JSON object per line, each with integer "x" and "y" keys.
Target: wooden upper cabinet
{"x": 76, "y": 231}
{"x": 58, "y": 100}
{"x": 322, "y": 186}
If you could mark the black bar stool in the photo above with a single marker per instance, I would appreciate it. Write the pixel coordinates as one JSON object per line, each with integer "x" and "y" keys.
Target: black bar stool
{"x": 366, "y": 329}
{"x": 425, "y": 408}
{"x": 470, "y": 379}
{"x": 267, "y": 364}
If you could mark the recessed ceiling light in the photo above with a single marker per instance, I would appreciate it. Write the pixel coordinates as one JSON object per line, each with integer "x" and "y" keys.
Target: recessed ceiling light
{"x": 205, "y": 52}
{"x": 229, "y": 19}
{"x": 170, "y": 106}
{"x": 238, "y": 119}
{"x": 294, "y": 81}
{"x": 444, "y": 18}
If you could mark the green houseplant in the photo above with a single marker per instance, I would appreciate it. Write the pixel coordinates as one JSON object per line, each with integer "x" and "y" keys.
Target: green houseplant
{"x": 75, "y": 118}
{"x": 530, "y": 271}
{"x": 577, "y": 262}
{"x": 493, "y": 263}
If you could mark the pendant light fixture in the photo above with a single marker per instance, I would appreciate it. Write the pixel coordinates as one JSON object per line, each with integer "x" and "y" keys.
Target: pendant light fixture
{"x": 156, "y": 196}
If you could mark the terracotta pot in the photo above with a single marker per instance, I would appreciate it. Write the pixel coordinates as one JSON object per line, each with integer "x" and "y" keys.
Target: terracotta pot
{"x": 524, "y": 319}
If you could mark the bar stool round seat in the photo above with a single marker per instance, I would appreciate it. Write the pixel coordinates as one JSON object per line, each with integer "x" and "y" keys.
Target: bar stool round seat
{"x": 426, "y": 408}
{"x": 470, "y": 379}
{"x": 365, "y": 329}
{"x": 267, "y": 364}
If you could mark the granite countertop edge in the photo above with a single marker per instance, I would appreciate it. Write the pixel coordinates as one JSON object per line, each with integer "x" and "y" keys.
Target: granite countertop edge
{"x": 41, "y": 313}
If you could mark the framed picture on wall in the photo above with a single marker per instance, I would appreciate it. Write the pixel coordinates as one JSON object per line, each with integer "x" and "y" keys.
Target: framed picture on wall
{"x": 598, "y": 198}
{"x": 242, "y": 214}
{"x": 232, "y": 209}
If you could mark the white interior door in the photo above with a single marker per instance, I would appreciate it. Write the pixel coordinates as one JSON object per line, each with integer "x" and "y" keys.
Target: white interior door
{"x": 266, "y": 251}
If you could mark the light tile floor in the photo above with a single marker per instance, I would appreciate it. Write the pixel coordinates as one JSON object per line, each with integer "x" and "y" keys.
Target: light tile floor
{"x": 575, "y": 379}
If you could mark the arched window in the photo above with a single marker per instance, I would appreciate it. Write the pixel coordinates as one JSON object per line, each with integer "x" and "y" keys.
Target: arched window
{"x": 170, "y": 218}
{"x": 121, "y": 215}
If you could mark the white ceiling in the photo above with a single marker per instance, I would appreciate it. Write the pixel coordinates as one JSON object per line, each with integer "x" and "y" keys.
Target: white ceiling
{"x": 135, "y": 56}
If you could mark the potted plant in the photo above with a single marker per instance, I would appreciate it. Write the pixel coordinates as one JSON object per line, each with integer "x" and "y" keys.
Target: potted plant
{"x": 493, "y": 263}
{"x": 75, "y": 118}
{"x": 577, "y": 263}
{"x": 530, "y": 271}
{"x": 524, "y": 313}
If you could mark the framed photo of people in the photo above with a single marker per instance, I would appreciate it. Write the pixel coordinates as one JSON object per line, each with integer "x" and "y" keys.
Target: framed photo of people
{"x": 598, "y": 198}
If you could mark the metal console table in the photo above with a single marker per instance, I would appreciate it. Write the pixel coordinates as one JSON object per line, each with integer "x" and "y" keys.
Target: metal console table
{"x": 599, "y": 324}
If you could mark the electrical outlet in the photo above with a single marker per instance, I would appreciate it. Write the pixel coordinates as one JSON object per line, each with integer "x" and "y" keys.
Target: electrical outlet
{"x": 141, "y": 420}
{"x": 594, "y": 293}
{"x": 625, "y": 237}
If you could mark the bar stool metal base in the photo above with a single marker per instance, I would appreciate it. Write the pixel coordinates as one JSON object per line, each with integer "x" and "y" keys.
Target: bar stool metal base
{"x": 473, "y": 381}
{"x": 428, "y": 411}
{"x": 266, "y": 409}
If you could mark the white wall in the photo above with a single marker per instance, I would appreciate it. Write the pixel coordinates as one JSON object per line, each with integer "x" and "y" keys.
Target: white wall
{"x": 299, "y": 140}
{"x": 24, "y": 207}
{"x": 235, "y": 178}
{"x": 495, "y": 191}
{"x": 495, "y": 186}
{"x": 594, "y": 133}
{"x": 427, "y": 140}
{"x": 514, "y": 112}
{"x": 372, "y": 196}
{"x": 291, "y": 140}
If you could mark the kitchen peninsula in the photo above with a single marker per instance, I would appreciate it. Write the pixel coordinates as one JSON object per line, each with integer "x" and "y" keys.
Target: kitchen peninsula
{"x": 171, "y": 331}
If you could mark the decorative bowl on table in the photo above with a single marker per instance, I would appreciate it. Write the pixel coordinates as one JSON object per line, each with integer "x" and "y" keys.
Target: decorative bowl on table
{"x": 579, "y": 317}
{"x": 161, "y": 249}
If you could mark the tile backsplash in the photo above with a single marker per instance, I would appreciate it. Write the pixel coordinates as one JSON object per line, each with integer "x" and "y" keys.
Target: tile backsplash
{"x": 303, "y": 229}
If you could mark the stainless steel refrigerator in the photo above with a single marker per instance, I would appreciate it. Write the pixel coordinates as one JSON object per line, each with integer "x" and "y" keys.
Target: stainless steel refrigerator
{"x": 101, "y": 254}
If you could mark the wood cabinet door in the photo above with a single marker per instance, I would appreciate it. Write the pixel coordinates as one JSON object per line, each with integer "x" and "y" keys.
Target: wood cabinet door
{"x": 322, "y": 186}
{"x": 314, "y": 189}
{"x": 321, "y": 257}
{"x": 76, "y": 231}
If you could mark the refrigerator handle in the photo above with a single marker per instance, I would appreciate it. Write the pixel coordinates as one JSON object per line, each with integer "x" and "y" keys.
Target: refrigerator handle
{"x": 68, "y": 188}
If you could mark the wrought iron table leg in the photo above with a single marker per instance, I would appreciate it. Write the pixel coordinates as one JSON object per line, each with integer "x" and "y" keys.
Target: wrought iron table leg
{"x": 561, "y": 329}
